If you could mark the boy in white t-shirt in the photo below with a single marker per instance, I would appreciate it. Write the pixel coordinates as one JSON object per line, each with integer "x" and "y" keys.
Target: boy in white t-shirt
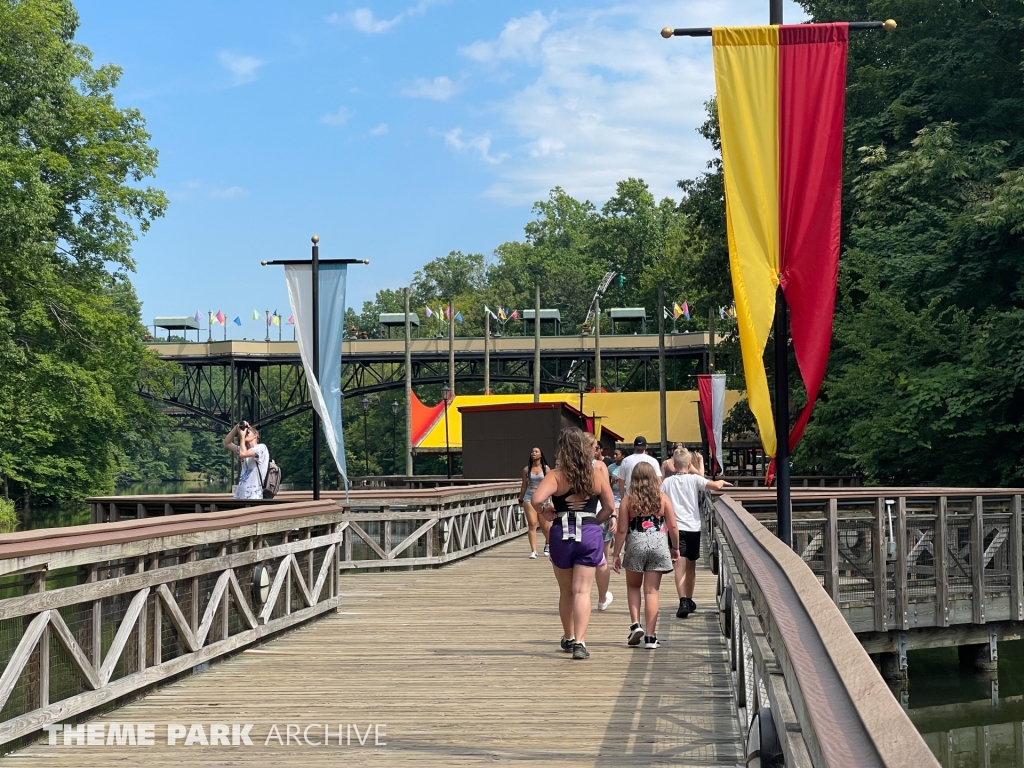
{"x": 683, "y": 489}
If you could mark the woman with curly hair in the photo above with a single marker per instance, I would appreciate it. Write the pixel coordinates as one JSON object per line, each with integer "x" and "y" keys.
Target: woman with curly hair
{"x": 648, "y": 555}
{"x": 577, "y": 543}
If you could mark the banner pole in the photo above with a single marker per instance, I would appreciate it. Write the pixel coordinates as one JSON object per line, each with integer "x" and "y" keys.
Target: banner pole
{"x": 662, "y": 410}
{"x": 784, "y": 511}
{"x": 315, "y": 277}
{"x": 408, "y": 386}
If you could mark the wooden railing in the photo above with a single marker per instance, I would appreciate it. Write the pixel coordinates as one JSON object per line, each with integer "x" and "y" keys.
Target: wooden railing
{"x": 804, "y": 687}
{"x": 953, "y": 559}
{"x": 93, "y": 613}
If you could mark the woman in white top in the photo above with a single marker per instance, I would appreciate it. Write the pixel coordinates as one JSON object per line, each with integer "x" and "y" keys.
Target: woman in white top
{"x": 254, "y": 458}
{"x": 533, "y": 473}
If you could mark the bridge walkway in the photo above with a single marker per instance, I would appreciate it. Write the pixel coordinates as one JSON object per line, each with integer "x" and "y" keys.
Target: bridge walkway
{"x": 461, "y": 667}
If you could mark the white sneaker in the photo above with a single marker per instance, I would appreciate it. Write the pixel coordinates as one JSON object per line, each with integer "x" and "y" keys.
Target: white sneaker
{"x": 547, "y": 550}
{"x": 607, "y": 601}
{"x": 533, "y": 555}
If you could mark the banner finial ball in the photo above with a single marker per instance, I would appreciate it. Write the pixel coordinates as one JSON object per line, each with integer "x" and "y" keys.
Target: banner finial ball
{"x": 315, "y": 239}
{"x": 667, "y": 32}
{"x": 889, "y": 25}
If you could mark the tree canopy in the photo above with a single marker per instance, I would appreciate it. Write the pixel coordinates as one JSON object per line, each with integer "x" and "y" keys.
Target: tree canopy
{"x": 71, "y": 204}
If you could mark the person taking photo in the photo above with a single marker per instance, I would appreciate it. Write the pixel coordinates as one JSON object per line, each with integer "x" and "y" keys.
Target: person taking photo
{"x": 254, "y": 458}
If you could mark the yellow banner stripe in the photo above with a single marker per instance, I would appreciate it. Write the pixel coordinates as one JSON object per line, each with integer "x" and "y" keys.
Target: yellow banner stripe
{"x": 746, "y": 63}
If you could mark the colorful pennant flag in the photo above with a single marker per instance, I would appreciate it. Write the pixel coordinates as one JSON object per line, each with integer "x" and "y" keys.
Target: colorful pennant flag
{"x": 515, "y": 314}
{"x": 291, "y": 319}
{"x": 781, "y": 92}
{"x": 238, "y": 321}
{"x": 199, "y": 316}
{"x": 502, "y": 314}
{"x": 458, "y": 317}
{"x": 427, "y": 312}
{"x": 277, "y": 319}
{"x": 448, "y": 312}
{"x": 721, "y": 313}
{"x": 685, "y": 309}
{"x": 255, "y": 315}
{"x": 489, "y": 312}
{"x": 677, "y": 311}
{"x": 221, "y": 318}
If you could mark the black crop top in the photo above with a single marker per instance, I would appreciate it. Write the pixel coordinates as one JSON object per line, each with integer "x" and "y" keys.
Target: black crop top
{"x": 562, "y": 504}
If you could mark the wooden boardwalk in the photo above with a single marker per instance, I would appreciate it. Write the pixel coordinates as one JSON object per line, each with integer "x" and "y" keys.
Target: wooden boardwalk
{"x": 462, "y": 665}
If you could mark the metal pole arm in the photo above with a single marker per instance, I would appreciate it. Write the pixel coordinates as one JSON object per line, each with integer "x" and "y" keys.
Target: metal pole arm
{"x": 855, "y": 26}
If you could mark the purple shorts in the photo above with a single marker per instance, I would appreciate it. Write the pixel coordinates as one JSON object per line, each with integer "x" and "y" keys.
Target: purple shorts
{"x": 566, "y": 554}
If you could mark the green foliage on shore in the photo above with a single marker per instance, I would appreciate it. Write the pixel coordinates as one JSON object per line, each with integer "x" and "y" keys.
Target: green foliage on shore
{"x": 71, "y": 204}
{"x": 8, "y": 517}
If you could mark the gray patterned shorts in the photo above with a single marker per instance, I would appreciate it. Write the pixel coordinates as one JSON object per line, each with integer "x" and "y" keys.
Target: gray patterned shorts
{"x": 647, "y": 551}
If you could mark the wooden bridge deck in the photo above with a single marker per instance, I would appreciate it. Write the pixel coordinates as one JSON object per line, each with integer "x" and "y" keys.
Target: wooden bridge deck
{"x": 462, "y": 665}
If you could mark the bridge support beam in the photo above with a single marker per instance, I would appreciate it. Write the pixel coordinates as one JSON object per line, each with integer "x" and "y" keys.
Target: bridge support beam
{"x": 983, "y": 657}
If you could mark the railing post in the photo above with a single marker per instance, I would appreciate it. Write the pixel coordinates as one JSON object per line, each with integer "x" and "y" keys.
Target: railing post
{"x": 902, "y": 567}
{"x": 158, "y": 618}
{"x": 941, "y": 574}
{"x": 878, "y": 562}
{"x": 832, "y": 550}
{"x": 43, "y": 673}
{"x": 978, "y": 559}
{"x": 224, "y": 602}
{"x": 97, "y": 622}
{"x": 1017, "y": 560}
{"x": 140, "y": 567}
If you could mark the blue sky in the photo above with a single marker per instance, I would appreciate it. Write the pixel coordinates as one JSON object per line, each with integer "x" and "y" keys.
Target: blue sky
{"x": 395, "y": 130}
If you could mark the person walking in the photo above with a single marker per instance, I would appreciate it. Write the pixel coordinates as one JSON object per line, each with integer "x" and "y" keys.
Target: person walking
{"x": 575, "y": 489}
{"x": 638, "y": 456}
{"x": 651, "y": 549}
{"x": 668, "y": 465}
{"x": 254, "y": 458}
{"x": 683, "y": 490}
{"x": 534, "y": 471}
{"x": 603, "y": 575}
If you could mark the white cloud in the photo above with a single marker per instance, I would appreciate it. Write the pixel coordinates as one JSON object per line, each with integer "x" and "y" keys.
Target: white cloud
{"x": 439, "y": 89}
{"x": 518, "y": 40}
{"x": 380, "y": 130}
{"x": 243, "y": 69}
{"x": 608, "y": 98}
{"x": 363, "y": 20}
{"x": 481, "y": 145}
{"x": 342, "y": 116}
{"x": 228, "y": 193}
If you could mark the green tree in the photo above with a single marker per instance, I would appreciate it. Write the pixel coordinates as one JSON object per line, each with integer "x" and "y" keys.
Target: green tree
{"x": 71, "y": 204}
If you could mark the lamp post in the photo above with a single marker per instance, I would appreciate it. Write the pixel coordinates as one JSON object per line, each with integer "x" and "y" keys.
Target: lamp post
{"x": 394, "y": 431}
{"x": 446, "y": 394}
{"x": 582, "y": 385}
{"x": 366, "y": 436}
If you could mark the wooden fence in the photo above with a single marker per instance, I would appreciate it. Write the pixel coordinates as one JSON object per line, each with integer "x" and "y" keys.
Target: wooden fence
{"x": 93, "y": 613}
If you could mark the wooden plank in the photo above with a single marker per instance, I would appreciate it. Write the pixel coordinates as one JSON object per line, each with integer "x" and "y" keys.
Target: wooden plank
{"x": 241, "y": 603}
{"x": 879, "y": 571}
{"x": 413, "y": 537}
{"x": 22, "y": 653}
{"x": 300, "y": 580}
{"x": 941, "y": 569}
{"x": 121, "y": 638}
{"x": 75, "y": 652}
{"x": 212, "y": 608}
{"x": 1016, "y": 545}
{"x": 901, "y": 573}
{"x": 832, "y": 550}
{"x": 977, "y": 558}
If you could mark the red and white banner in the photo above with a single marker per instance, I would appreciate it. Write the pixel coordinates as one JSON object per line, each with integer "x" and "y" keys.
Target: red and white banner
{"x": 711, "y": 387}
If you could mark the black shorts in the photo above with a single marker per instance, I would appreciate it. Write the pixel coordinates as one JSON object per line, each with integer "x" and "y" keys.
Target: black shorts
{"x": 689, "y": 545}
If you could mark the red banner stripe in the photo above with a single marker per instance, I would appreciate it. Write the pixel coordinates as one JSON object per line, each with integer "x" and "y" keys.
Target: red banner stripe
{"x": 812, "y": 86}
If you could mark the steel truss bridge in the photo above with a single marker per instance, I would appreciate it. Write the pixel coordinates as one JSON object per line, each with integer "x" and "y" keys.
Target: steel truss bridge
{"x": 262, "y": 381}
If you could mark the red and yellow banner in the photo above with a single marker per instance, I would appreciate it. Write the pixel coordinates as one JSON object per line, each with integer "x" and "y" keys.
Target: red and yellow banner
{"x": 780, "y": 108}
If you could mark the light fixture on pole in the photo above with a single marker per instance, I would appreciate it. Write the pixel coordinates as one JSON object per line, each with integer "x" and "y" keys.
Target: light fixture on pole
{"x": 394, "y": 431}
{"x": 582, "y": 385}
{"x": 446, "y": 395}
{"x": 366, "y": 436}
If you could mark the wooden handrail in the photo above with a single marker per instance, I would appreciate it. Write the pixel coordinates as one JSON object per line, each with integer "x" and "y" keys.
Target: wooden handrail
{"x": 846, "y": 712}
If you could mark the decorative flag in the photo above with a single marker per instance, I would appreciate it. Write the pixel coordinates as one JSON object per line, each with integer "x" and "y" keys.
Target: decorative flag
{"x": 221, "y": 318}
{"x": 685, "y": 309}
{"x": 515, "y": 314}
{"x": 324, "y": 385}
{"x": 427, "y": 312}
{"x": 721, "y": 313}
{"x": 199, "y": 316}
{"x": 255, "y": 315}
{"x": 267, "y": 311}
{"x": 238, "y": 321}
{"x": 488, "y": 311}
{"x": 291, "y": 319}
{"x": 502, "y": 314}
{"x": 277, "y": 319}
{"x": 448, "y": 312}
{"x": 677, "y": 311}
{"x": 781, "y": 92}
{"x": 668, "y": 315}
{"x": 711, "y": 389}
{"x": 458, "y": 316}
